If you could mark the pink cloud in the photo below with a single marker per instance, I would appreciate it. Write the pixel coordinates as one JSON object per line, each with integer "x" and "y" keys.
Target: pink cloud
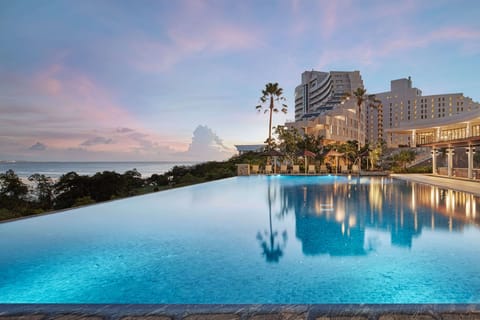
{"x": 329, "y": 20}
{"x": 448, "y": 34}
{"x": 150, "y": 55}
{"x": 79, "y": 100}
{"x": 64, "y": 108}
{"x": 367, "y": 53}
{"x": 198, "y": 27}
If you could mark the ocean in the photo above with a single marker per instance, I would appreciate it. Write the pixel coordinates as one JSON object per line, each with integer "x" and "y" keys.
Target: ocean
{"x": 54, "y": 170}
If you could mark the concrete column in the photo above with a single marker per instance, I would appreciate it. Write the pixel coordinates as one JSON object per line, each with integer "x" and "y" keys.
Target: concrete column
{"x": 470, "y": 152}
{"x": 437, "y": 134}
{"x": 414, "y": 138}
{"x": 434, "y": 160}
{"x": 469, "y": 130}
{"x": 450, "y": 153}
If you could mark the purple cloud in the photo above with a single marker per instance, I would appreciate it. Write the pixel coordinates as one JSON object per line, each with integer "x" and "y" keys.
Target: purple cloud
{"x": 96, "y": 141}
{"x": 38, "y": 147}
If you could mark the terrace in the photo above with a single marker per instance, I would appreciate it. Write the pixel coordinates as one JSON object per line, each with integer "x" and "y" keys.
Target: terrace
{"x": 460, "y": 132}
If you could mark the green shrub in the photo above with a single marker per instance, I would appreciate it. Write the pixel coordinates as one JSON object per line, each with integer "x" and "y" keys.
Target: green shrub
{"x": 83, "y": 201}
{"x": 422, "y": 169}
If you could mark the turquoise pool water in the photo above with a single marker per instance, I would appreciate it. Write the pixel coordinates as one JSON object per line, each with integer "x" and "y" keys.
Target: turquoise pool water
{"x": 278, "y": 239}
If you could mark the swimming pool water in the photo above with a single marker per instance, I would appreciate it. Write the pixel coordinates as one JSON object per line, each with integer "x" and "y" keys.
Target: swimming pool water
{"x": 258, "y": 239}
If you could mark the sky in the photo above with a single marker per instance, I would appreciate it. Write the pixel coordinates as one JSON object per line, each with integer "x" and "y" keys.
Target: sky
{"x": 97, "y": 80}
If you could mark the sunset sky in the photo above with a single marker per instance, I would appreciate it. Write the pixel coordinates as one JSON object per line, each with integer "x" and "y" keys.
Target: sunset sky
{"x": 179, "y": 80}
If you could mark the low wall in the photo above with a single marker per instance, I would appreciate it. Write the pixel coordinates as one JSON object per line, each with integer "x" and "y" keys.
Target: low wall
{"x": 459, "y": 172}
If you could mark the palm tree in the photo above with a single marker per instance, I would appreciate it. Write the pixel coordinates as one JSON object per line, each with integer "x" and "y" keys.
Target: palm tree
{"x": 361, "y": 97}
{"x": 272, "y": 93}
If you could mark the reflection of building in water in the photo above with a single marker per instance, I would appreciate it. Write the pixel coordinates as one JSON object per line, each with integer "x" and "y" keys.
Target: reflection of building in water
{"x": 331, "y": 218}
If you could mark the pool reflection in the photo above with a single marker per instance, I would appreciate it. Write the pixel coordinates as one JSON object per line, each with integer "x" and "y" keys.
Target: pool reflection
{"x": 271, "y": 243}
{"x": 332, "y": 218}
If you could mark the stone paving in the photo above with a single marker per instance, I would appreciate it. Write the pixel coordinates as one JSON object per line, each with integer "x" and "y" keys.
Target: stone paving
{"x": 239, "y": 312}
{"x": 239, "y": 316}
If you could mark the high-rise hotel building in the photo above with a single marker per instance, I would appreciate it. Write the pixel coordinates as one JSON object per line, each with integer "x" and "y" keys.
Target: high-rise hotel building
{"x": 322, "y": 110}
{"x": 405, "y": 105}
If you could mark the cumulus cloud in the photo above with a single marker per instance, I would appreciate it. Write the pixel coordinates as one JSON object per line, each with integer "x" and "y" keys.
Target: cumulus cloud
{"x": 206, "y": 145}
{"x": 96, "y": 141}
{"x": 38, "y": 147}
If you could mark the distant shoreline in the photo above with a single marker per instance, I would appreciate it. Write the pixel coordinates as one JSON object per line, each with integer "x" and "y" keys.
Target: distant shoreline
{"x": 60, "y": 161}
{"x": 55, "y": 169}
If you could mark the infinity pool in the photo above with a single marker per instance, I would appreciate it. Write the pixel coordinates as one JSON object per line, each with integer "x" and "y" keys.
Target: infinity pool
{"x": 259, "y": 239}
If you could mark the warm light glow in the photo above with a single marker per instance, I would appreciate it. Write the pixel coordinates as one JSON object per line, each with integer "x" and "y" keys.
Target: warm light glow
{"x": 474, "y": 209}
{"x": 352, "y": 221}
{"x": 413, "y": 197}
{"x": 375, "y": 196}
{"x": 340, "y": 215}
{"x": 468, "y": 207}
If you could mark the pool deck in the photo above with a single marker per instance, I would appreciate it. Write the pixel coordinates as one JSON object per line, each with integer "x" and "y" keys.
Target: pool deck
{"x": 239, "y": 312}
{"x": 456, "y": 184}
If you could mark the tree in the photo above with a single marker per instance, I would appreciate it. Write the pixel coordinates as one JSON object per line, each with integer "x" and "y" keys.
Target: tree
{"x": 12, "y": 191}
{"x": 360, "y": 97}
{"x": 404, "y": 157}
{"x": 272, "y": 94}
{"x": 133, "y": 180}
{"x": 43, "y": 190}
{"x": 292, "y": 143}
{"x": 107, "y": 185}
{"x": 350, "y": 149}
{"x": 374, "y": 154}
{"x": 69, "y": 188}
{"x": 289, "y": 141}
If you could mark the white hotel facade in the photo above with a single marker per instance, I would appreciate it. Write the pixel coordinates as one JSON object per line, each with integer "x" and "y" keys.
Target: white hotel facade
{"x": 405, "y": 105}
{"x": 321, "y": 110}
{"x": 448, "y": 122}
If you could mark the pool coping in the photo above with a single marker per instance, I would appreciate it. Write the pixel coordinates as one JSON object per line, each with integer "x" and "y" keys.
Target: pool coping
{"x": 462, "y": 185}
{"x": 240, "y": 311}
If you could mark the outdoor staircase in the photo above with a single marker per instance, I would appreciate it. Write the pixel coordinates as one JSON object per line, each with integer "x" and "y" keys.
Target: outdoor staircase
{"x": 420, "y": 158}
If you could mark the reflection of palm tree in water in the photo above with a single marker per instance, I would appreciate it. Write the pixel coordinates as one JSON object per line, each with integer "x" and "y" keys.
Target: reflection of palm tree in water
{"x": 271, "y": 251}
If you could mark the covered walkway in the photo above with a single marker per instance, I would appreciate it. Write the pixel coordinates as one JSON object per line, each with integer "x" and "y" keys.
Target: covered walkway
{"x": 460, "y": 132}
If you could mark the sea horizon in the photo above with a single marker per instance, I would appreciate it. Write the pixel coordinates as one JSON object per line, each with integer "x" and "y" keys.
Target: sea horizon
{"x": 55, "y": 169}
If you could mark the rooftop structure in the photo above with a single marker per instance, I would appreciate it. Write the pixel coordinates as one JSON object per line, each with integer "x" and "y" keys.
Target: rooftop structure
{"x": 244, "y": 148}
